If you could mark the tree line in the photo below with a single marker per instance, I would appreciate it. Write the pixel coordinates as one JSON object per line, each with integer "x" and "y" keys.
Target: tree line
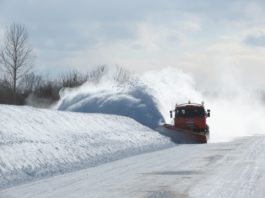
{"x": 20, "y": 85}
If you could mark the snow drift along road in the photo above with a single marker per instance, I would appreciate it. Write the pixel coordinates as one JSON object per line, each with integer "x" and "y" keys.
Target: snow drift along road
{"x": 36, "y": 142}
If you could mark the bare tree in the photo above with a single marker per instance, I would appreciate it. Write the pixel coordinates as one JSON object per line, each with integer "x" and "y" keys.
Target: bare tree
{"x": 118, "y": 73}
{"x": 30, "y": 82}
{"x": 73, "y": 78}
{"x": 96, "y": 74}
{"x": 16, "y": 55}
{"x": 121, "y": 75}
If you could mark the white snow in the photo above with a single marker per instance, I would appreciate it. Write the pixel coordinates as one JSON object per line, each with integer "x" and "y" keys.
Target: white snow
{"x": 223, "y": 170}
{"x": 147, "y": 98}
{"x": 236, "y": 110}
{"x": 38, "y": 143}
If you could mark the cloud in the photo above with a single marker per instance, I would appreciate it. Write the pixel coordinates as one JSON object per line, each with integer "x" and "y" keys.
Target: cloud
{"x": 141, "y": 34}
{"x": 255, "y": 40}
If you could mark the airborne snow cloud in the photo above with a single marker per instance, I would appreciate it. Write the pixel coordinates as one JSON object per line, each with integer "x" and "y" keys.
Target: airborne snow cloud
{"x": 237, "y": 110}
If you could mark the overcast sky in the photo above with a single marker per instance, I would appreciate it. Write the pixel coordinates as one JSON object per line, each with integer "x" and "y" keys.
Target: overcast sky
{"x": 202, "y": 37}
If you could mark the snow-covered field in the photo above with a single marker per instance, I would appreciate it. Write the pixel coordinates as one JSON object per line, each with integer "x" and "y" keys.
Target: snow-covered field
{"x": 37, "y": 143}
{"x": 220, "y": 170}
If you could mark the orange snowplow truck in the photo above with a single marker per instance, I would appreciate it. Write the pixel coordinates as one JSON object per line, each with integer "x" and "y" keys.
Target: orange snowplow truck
{"x": 189, "y": 124}
{"x": 191, "y": 116}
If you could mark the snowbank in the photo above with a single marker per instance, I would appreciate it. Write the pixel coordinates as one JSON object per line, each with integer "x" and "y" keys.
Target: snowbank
{"x": 38, "y": 143}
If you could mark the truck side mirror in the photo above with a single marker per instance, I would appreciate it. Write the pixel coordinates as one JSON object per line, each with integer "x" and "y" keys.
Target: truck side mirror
{"x": 208, "y": 112}
{"x": 170, "y": 114}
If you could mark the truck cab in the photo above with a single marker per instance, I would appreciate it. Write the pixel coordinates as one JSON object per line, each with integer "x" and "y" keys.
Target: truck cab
{"x": 191, "y": 116}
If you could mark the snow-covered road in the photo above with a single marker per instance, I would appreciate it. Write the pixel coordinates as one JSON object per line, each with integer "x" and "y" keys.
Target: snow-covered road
{"x": 234, "y": 169}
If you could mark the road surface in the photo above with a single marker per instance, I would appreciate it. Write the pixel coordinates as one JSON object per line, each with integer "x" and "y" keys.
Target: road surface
{"x": 228, "y": 170}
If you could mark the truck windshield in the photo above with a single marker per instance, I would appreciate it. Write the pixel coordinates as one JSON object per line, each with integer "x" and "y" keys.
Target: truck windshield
{"x": 189, "y": 112}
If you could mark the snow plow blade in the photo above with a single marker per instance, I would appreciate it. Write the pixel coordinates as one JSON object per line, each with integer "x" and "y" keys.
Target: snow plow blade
{"x": 183, "y": 136}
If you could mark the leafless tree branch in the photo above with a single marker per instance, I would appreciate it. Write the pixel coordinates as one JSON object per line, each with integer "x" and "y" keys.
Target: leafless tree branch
{"x": 16, "y": 55}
